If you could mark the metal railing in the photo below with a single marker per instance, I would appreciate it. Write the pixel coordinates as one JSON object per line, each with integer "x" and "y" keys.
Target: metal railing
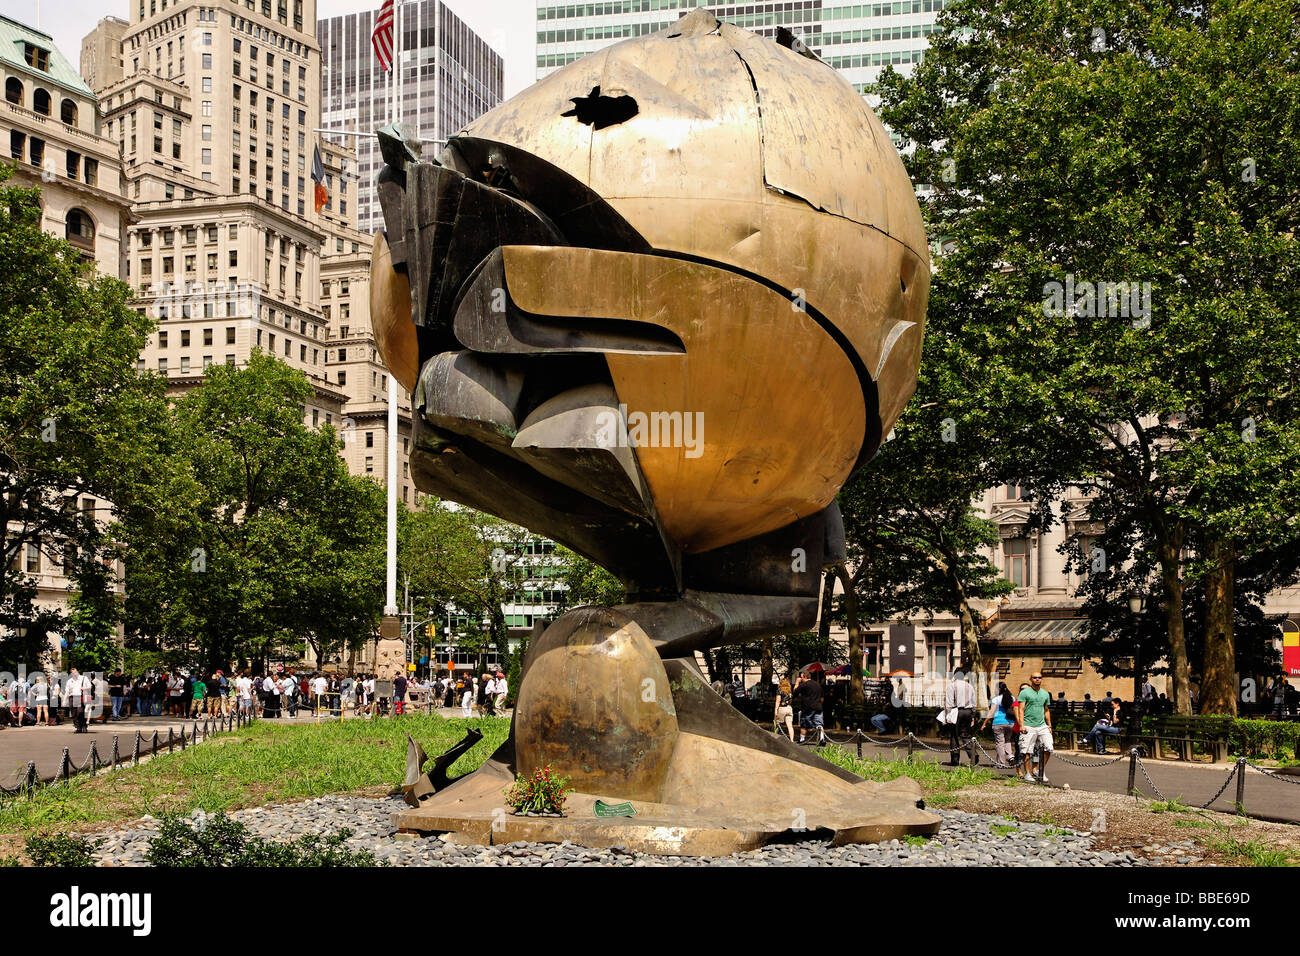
{"x": 156, "y": 743}
{"x": 1134, "y": 757}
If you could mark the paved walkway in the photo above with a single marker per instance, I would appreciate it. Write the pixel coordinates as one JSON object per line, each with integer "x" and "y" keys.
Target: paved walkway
{"x": 1265, "y": 797}
{"x": 45, "y": 745}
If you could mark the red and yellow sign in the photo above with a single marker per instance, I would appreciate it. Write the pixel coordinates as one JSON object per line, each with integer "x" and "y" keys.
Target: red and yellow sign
{"x": 1291, "y": 649}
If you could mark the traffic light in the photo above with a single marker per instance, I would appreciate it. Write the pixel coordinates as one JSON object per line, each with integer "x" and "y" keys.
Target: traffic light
{"x": 429, "y": 631}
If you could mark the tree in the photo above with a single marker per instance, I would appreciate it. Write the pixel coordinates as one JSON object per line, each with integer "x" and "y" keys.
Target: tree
{"x": 915, "y": 541}
{"x": 586, "y": 582}
{"x": 265, "y": 540}
{"x": 77, "y": 421}
{"x": 1122, "y": 211}
{"x": 461, "y": 558}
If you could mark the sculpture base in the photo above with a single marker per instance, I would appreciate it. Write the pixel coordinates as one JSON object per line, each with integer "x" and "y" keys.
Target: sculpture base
{"x": 866, "y": 812}
{"x": 704, "y": 779}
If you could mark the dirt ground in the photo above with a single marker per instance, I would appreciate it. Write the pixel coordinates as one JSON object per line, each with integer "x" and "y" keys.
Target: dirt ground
{"x": 1120, "y": 823}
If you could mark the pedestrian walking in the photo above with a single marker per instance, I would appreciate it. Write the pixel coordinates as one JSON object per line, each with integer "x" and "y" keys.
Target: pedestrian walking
{"x": 1002, "y": 714}
{"x": 502, "y": 690}
{"x": 1036, "y": 725}
{"x": 959, "y": 699}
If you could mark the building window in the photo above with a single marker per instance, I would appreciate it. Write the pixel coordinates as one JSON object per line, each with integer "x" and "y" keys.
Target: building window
{"x": 162, "y": 366}
{"x": 370, "y": 439}
{"x": 343, "y": 377}
{"x": 33, "y": 563}
{"x": 14, "y": 91}
{"x": 185, "y": 364}
{"x": 207, "y": 336}
{"x": 230, "y": 360}
{"x": 1013, "y": 493}
{"x": 80, "y": 230}
{"x": 938, "y": 652}
{"x": 68, "y": 112}
{"x": 36, "y": 57}
{"x": 185, "y": 338}
{"x": 370, "y": 465}
{"x": 1015, "y": 557}
{"x": 162, "y": 340}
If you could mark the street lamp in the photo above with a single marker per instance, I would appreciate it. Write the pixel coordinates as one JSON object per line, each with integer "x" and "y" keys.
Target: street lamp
{"x": 1137, "y": 602}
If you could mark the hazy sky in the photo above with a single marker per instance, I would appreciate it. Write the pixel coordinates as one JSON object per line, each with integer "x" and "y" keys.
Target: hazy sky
{"x": 508, "y": 26}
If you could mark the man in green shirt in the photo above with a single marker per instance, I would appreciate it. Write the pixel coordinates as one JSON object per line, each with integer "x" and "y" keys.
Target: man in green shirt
{"x": 200, "y": 692}
{"x": 1035, "y": 724}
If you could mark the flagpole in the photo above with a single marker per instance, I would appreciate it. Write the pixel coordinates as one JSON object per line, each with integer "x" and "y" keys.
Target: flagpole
{"x": 390, "y": 605}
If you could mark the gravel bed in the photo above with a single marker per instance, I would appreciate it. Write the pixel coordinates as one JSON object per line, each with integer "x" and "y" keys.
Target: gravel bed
{"x": 964, "y": 839}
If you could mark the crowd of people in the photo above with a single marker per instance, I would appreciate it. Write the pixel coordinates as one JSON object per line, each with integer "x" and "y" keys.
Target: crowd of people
{"x": 38, "y": 701}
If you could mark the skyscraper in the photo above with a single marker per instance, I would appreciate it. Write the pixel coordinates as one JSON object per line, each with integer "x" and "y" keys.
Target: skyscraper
{"x": 448, "y": 77}
{"x": 215, "y": 115}
{"x": 857, "y": 39}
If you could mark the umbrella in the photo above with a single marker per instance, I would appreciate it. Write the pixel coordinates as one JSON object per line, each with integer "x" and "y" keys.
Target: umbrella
{"x": 814, "y": 666}
{"x": 841, "y": 671}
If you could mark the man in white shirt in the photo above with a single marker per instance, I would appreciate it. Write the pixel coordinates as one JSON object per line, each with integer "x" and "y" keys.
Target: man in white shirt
{"x": 960, "y": 696}
{"x": 319, "y": 688}
{"x": 501, "y": 688}
{"x": 244, "y": 691}
{"x": 73, "y": 690}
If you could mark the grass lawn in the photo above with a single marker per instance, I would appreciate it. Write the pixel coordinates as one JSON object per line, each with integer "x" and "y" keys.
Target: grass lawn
{"x": 253, "y": 766}
{"x": 936, "y": 783}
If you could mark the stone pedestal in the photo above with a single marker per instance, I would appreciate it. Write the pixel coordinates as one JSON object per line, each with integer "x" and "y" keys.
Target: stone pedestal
{"x": 390, "y": 659}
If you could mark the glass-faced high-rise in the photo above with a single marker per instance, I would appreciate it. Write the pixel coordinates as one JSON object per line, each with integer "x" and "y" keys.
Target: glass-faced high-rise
{"x": 859, "y": 39}
{"x": 449, "y": 76}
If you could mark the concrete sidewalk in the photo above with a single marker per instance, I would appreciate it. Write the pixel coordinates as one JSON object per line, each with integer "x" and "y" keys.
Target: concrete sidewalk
{"x": 44, "y": 745}
{"x": 1269, "y": 798}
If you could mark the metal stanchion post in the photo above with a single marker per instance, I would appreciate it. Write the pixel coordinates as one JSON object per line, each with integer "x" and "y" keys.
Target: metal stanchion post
{"x": 171, "y": 745}
{"x": 1241, "y": 784}
{"x": 859, "y": 736}
{"x": 911, "y": 744}
{"x": 1132, "y": 770}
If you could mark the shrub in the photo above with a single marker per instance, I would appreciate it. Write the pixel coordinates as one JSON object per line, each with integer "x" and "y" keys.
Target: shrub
{"x": 61, "y": 849}
{"x": 218, "y": 841}
{"x": 540, "y": 794}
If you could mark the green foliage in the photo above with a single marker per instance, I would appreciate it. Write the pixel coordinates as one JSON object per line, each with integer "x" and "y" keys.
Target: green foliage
{"x": 466, "y": 560}
{"x": 914, "y": 840}
{"x": 265, "y": 541}
{"x": 1252, "y": 852}
{"x": 587, "y": 582}
{"x": 61, "y": 849}
{"x": 930, "y": 776}
{"x": 1174, "y": 805}
{"x": 1154, "y": 156}
{"x": 1004, "y": 829}
{"x": 76, "y": 419}
{"x": 540, "y": 793}
{"x": 1275, "y": 739}
{"x": 218, "y": 841}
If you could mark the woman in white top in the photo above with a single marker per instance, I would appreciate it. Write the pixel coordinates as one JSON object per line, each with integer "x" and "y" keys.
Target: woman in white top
{"x": 40, "y": 697}
{"x": 467, "y": 700}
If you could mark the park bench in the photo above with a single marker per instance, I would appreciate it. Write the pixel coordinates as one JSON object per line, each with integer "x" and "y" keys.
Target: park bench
{"x": 1181, "y": 737}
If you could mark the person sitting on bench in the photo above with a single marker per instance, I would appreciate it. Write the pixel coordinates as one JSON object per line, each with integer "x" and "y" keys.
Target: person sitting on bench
{"x": 1107, "y": 723}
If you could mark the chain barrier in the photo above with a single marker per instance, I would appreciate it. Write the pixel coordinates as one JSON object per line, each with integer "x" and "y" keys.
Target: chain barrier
{"x": 1285, "y": 778}
{"x": 1074, "y": 763}
{"x": 94, "y": 762}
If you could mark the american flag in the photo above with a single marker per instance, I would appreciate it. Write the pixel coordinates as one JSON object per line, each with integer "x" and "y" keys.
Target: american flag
{"x": 382, "y": 38}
